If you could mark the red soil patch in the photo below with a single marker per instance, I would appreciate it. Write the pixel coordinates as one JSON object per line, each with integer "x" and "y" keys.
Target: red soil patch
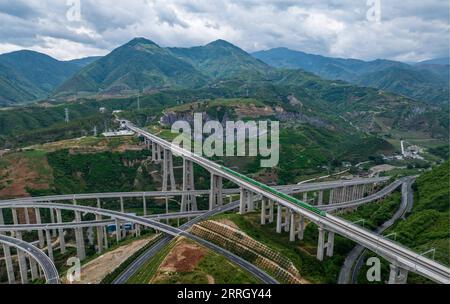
{"x": 18, "y": 176}
{"x": 184, "y": 257}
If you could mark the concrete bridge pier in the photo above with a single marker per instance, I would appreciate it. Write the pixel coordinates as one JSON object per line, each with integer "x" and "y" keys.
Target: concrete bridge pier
{"x": 105, "y": 234}
{"x": 9, "y": 264}
{"x": 52, "y": 220}
{"x": 122, "y": 207}
{"x": 144, "y": 205}
{"x": 320, "y": 199}
{"x": 330, "y": 198}
{"x": 305, "y": 197}
{"x": 363, "y": 190}
{"x": 397, "y": 275}
{"x": 37, "y": 213}
{"x": 7, "y": 255}
{"x": 79, "y": 238}
{"x": 188, "y": 201}
{"x": 168, "y": 176}
{"x": 216, "y": 195}
{"x": 321, "y": 243}
{"x": 330, "y": 244}
{"x": 137, "y": 229}
{"x": 279, "y": 218}
{"x": 27, "y": 217}
{"x": 301, "y": 231}
{"x": 99, "y": 234}
{"x": 15, "y": 220}
{"x": 153, "y": 145}
{"x": 62, "y": 242}
{"x": 118, "y": 231}
{"x": 48, "y": 235}
{"x": 33, "y": 268}
{"x": 22, "y": 261}
{"x": 267, "y": 211}
{"x": 246, "y": 201}
{"x": 158, "y": 157}
{"x": 287, "y": 220}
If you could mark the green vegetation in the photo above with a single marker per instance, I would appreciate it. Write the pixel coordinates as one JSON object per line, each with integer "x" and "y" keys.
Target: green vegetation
{"x": 109, "y": 278}
{"x": 212, "y": 264}
{"x": 148, "y": 270}
{"x": 303, "y": 253}
{"x": 215, "y": 266}
{"x": 422, "y": 82}
{"x": 428, "y": 226}
{"x": 99, "y": 172}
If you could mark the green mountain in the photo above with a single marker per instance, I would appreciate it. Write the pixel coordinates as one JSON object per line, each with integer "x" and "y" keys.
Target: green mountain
{"x": 221, "y": 60}
{"x": 27, "y": 75}
{"x": 139, "y": 64}
{"x": 14, "y": 87}
{"x": 425, "y": 82}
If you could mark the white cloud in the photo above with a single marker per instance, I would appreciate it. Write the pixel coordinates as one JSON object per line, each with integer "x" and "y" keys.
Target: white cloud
{"x": 409, "y": 29}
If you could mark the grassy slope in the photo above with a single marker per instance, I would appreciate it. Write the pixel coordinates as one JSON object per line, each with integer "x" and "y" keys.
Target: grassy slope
{"x": 428, "y": 226}
{"x": 303, "y": 253}
{"x": 212, "y": 264}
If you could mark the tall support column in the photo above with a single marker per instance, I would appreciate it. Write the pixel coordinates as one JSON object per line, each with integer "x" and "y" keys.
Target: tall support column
{"x": 9, "y": 264}
{"x": 37, "y": 212}
{"x": 305, "y": 197}
{"x": 168, "y": 176}
{"x": 62, "y": 242}
{"x": 330, "y": 244}
{"x": 292, "y": 228}
{"x": 14, "y": 216}
{"x": 279, "y": 217}
{"x": 216, "y": 195}
{"x": 354, "y": 192}
{"x": 48, "y": 236}
{"x": 33, "y": 268}
{"x": 301, "y": 229}
{"x": 122, "y": 207}
{"x": 246, "y": 201}
{"x": 320, "y": 243}
{"x": 154, "y": 152}
{"x": 27, "y": 216}
{"x": 271, "y": 211}
{"x": 250, "y": 201}
{"x": 144, "y": 205}
{"x": 158, "y": 153}
{"x": 361, "y": 191}
{"x": 330, "y": 199}
{"x": 7, "y": 255}
{"x": 397, "y": 275}
{"x": 118, "y": 231}
{"x": 320, "y": 199}
{"x": 287, "y": 219}
{"x": 188, "y": 201}
{"x": 52, "y": 220}
{"x": 79, "y": 238}
{"x": 263, "y": 211}
{"x": 22, "y": 261}
{"x": 99, "y": 234}
{"x": 105, "y": 234}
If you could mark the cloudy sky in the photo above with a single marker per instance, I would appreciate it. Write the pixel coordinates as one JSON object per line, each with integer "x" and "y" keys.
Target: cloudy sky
{"x": 407, "y": 30}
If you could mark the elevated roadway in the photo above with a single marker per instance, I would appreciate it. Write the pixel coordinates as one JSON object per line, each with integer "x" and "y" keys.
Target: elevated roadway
{"x": 391, "y": 251}
{"x": 50, "y": 273}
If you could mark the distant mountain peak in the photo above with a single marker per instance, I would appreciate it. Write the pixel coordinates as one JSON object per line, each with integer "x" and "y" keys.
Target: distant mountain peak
{"x": 140, "y": 40}
{"x": 222, "y": 43}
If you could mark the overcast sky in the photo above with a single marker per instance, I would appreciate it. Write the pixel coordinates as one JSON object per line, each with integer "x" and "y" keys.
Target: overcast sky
{"x": 408, "y": 30}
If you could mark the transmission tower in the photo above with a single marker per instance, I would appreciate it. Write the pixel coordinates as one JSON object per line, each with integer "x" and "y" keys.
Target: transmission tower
{"x": 66, "y": 112}
{"x": 139, "y": 102}
{"x": 95, "y": 131}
